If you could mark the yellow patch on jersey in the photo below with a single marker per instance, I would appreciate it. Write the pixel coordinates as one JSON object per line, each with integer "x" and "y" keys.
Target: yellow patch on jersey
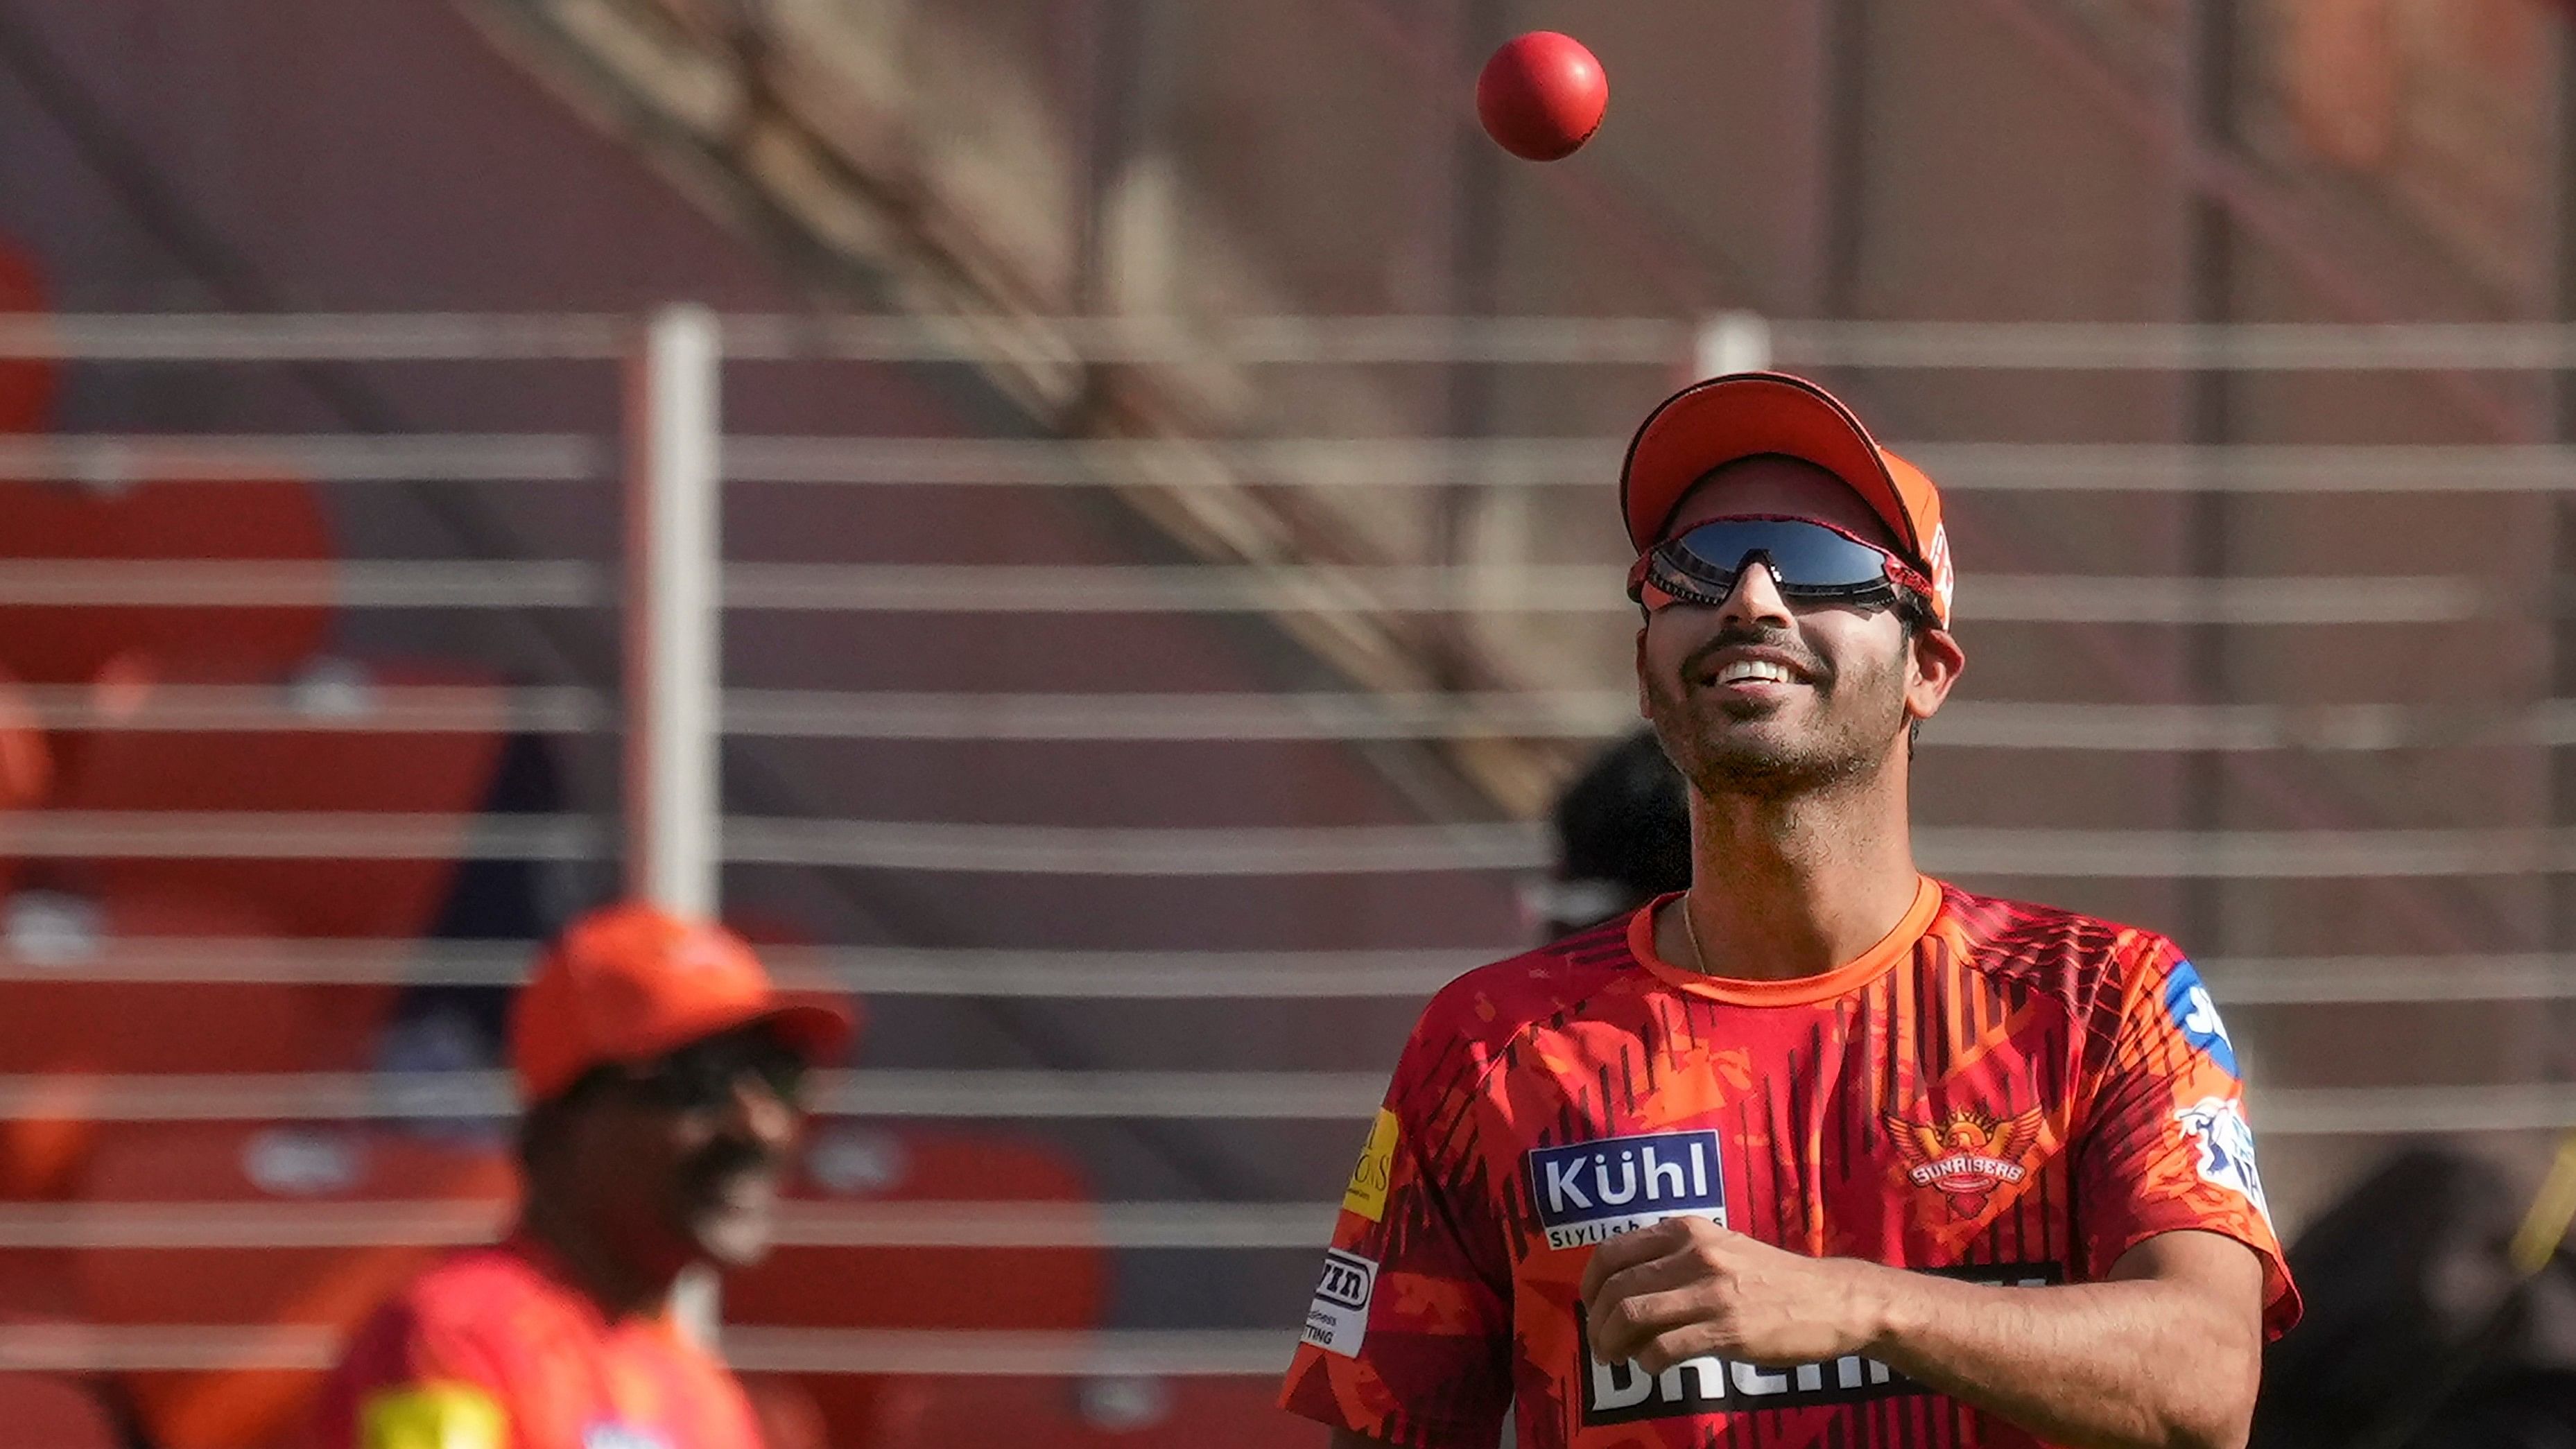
{"x": 1367, "y": 1193}
{"x": 433, "y": 1416}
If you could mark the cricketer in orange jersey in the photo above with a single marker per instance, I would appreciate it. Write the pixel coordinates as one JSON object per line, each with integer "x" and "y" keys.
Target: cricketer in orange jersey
{"x": 1819, "y": 1151}
{"x": 660, "y": 1075}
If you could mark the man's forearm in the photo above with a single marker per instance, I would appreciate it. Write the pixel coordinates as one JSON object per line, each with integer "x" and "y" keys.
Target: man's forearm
{"x": 2127, "y": 1364}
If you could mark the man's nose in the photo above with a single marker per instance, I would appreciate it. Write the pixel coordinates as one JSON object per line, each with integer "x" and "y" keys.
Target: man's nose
{"x": 1756, "y": 598}
{"x": 755, "y": 1112}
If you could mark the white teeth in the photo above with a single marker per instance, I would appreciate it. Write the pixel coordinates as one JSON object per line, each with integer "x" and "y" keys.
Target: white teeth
{"x": 1761, "y": 669}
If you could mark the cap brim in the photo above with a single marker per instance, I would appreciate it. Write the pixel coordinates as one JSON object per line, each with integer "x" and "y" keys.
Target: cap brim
{"x": 819, "y": 1033}
{"x": 1744, "y": 415}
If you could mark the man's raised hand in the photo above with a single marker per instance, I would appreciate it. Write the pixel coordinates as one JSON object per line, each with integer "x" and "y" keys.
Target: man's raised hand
{"x": 1686, "y": 1287}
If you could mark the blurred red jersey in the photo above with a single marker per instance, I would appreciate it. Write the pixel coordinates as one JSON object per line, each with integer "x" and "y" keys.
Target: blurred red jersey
{"x": 1998, "y": 1092}
{"x": 496, "y": 1349}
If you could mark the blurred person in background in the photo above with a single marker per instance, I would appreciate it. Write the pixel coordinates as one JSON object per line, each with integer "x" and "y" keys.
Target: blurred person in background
{"x": 660, "y": 1077}
{"x": 2422, "y": 1330}
{"x": 1622, "y": 831}
{"x": 1667, "y": 1172}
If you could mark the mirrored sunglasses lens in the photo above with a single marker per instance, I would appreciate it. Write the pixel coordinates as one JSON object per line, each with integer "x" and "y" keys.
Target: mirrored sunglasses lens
{"x": 1802, "y": 555}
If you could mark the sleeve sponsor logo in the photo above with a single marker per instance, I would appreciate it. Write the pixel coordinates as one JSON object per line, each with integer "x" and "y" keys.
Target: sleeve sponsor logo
{"x": 2195, "y": 1015}
{"x": 1338, "y": 1318}
{"x": 1626, "y": 1393}
{"x": 432, "y": 1416}
{"x": 1587, "y": 1191}
{"x": 1376, "y": 1170}
{"x": 2226, "y": 1143}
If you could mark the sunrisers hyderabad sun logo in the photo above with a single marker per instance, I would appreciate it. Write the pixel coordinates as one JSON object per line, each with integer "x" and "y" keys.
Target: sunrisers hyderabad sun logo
{"x": 1967, "y": 1154}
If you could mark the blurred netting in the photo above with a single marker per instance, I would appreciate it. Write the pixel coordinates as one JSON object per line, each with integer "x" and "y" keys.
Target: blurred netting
{"x": 1140, "y": 786}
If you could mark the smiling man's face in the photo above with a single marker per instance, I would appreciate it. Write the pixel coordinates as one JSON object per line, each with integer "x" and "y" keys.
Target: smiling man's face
{"x": 1766, "y": 698}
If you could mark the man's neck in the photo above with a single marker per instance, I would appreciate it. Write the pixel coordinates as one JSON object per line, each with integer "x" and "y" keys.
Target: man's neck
{"x": 620, "y": 1289}
{"x": 1790, "y": 887}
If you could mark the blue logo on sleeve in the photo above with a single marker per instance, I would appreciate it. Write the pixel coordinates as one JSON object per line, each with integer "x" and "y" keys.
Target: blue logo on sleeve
{"x": 2196, "y": 1016}
{"x": 1586, "y": 1191}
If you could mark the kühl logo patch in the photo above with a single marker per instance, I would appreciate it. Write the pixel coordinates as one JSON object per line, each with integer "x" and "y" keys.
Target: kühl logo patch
{"x": 1587, "y": 1192}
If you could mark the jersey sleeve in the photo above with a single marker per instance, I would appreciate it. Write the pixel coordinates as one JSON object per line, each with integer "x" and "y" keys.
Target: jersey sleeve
{"x": 2167, "y": 1143}
{"x": 1408, "y": 1337}
{"x": 410, "y": 1381}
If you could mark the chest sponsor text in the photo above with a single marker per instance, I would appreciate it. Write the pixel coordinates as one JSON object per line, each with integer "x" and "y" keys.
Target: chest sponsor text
{"x": 1584, "y": 1192}
{"x": 1625, "y": 1393}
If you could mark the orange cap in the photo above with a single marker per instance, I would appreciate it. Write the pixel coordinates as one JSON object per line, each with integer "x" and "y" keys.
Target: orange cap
{"x": 628, "y": 983}
{"x": 1744, "y": 414}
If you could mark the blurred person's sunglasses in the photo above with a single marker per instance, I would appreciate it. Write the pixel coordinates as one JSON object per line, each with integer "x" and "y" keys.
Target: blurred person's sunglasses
{"x": 704, "y": 1075}
{"x": 1814, "y": 563}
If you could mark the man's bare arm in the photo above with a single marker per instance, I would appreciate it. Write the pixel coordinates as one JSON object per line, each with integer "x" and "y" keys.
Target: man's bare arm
{"x": 2164, "y": 1354}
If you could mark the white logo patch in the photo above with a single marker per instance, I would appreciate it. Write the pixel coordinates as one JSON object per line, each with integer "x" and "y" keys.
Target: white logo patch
{"x": 1338, "y": 1318}
{"x": 2226, "y": 1148}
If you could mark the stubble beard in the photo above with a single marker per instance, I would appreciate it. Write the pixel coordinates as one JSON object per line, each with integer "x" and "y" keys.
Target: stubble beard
{"x": 1723, "y": 752}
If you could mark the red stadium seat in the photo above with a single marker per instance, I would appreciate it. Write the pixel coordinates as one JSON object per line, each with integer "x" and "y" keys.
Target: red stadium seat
{"x": 36, "y": 1285}
{"x": 27, "y": 769}
{"x": 789, "y": 1417}
{"x": 54, "y": 1021}
{"x": 47, "y": 1411}
{"x": 161, "y": 521}
{"x": 27, "y": 384}
{"x": 907, "y": 1287}
{"x": 321, "y": 758}
{"x": 1113, "y": 1413}
{"x": 332, "y": 1287}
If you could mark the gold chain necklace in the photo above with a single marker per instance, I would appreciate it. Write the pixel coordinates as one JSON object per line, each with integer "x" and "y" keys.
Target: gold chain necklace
{"x": 1690, "y": 933}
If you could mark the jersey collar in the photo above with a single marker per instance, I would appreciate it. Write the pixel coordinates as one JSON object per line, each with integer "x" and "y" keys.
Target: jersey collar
{"x": 1795, "y": 990}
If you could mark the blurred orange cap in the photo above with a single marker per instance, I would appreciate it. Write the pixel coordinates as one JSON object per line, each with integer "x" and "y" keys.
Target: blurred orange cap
{"x": 631, "y": 982}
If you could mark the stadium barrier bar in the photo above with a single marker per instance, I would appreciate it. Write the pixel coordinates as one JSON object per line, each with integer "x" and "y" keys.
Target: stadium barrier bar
{"x": 960, "y": 1095}
{"x": 1211, "y": 1352}
{"x": 1213, "y": 976}
{"x": 1250, "y": 718}
{"x": 1217, "y": 851}
{"x": 1319, "y": 463}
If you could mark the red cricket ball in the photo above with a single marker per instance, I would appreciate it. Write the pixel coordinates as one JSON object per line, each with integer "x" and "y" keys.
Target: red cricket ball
{"x": 1542, "y": 96}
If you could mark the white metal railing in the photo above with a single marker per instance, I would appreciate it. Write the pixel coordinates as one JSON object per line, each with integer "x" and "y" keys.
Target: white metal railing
{"x": 1371, "y": 463}
{"x": 1303, "y": 341}
{"x": 1218, "y": 850}
{"x": 431, "y": 1223}
{"x": 1402, "y": 975}
{"x": 1184, "y": 974}
{"x": 517, "y": 585}
{"x": 1295, "y": 716}
{"x": 1214, "y": 1352}
{"x": 983, "y": 1095}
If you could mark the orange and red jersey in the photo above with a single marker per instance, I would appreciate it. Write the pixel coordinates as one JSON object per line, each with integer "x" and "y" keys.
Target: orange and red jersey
{"x": 1999, "y": 1092}
{"x": 496, "y": 1349}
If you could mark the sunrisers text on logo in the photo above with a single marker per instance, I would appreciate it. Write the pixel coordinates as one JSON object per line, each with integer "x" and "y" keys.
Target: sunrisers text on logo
{"x": 1967, "y": 1155}
{"x": 1585, "y": 1192}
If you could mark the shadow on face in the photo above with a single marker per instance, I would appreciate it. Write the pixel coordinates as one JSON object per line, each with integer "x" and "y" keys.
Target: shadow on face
{"x": 680, "y": 1160}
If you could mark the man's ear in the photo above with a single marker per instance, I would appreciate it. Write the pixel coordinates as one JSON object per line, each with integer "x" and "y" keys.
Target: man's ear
{"x": 1934, "y": 669}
